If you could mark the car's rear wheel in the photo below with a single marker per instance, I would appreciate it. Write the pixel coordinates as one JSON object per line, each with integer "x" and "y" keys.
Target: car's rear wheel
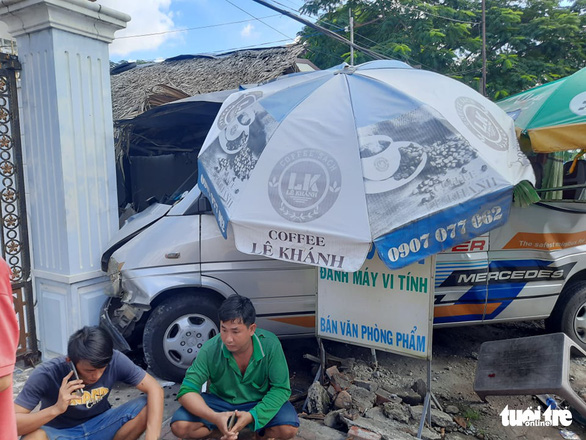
{"x": 175, "y": 332}
{"x": 569, "y": 314}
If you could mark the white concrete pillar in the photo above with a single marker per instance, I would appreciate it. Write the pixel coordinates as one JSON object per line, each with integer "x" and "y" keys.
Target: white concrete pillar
{"x": 67, "y": 139}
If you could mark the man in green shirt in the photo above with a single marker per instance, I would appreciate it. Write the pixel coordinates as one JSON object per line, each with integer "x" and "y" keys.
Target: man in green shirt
{"x": 247, "y": 376}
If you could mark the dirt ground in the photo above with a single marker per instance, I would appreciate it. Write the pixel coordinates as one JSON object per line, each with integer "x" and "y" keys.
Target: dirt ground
{"x": 455, "y": 354}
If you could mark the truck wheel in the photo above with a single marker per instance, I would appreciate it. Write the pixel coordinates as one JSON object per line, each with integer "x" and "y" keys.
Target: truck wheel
{"x": 569, "y": 314}
{"x": 175, "y": 332}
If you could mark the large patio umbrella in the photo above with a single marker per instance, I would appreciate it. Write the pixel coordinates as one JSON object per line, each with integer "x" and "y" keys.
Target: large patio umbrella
{"x": 313, "y": 168}
{"x": 551, "y": 117}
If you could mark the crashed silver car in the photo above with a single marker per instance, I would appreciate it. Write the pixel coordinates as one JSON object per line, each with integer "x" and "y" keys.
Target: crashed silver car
{"x": 171, "y": 268}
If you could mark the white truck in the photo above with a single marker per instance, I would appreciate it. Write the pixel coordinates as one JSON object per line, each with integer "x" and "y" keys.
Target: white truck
{"x": 170, "y": 269}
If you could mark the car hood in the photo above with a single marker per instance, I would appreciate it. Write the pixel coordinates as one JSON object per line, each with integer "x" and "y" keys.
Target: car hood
{"x": 132, "y": 227}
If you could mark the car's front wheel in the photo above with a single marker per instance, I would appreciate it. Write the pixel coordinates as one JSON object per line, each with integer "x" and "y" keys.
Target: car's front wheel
{"x": 175, "y": 332}
{"x": 569, "y": 315}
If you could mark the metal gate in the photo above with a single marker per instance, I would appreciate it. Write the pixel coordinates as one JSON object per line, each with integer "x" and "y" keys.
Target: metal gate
{"x": 13, "y": 225}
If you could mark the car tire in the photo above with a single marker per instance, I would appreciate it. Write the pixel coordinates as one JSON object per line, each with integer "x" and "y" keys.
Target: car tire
{"x": 569, "y": 314}
{"x": 175, "y": 332}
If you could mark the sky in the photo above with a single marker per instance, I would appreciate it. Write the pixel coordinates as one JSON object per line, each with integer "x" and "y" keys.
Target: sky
{"x": 162, "y": 29}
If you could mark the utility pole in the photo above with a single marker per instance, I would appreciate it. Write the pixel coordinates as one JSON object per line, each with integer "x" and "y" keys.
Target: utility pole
{"x": 351, "y": 37}
{"x": 483, "y": 89}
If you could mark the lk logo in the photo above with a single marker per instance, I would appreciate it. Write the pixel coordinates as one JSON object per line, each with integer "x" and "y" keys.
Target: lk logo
{"x": 304, "y": 185}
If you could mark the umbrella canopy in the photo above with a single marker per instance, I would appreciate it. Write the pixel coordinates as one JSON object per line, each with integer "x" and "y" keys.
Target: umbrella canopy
{"x": 551, "y": 117}
{"x": 314, "y": 167}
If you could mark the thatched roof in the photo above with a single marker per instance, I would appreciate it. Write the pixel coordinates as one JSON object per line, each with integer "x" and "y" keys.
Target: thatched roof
{"x": 137, "y": 89}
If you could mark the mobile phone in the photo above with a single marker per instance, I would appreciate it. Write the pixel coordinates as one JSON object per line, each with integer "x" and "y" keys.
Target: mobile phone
{"x": 79, "y": 392}
{"x": 231, "y": 421}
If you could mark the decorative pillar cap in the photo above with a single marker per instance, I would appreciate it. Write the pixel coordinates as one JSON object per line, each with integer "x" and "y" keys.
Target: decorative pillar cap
{"x": 80, "y": 17}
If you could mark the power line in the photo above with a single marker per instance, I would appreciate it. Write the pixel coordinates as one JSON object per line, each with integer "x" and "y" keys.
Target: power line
{"x": 328, "y": 54}
{"x": 194, "y": 28}
{"x": 273, "y": 42}
{"x": 375, "y": 42}
{"x": 407, "y": 58}
{"x": 335, "y": 36}
{"x": 251, "y": 46}
{"x": 343, "y": 29}
{"x": 464, "y": 72}
{"x": 403, "y": 56}
{"x": 268, "y": 25}
{"x": 439, "y": 16}
{"x": 288, "y": 7}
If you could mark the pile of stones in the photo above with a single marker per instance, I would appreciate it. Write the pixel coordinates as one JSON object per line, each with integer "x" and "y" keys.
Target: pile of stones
{"x": 372, "y": 403}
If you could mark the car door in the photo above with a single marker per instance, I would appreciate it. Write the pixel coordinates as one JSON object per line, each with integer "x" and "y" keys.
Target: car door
{"x": 283, "y": 293}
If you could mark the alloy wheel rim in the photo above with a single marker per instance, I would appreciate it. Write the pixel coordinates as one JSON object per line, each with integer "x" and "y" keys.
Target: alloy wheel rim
{"x": 185, "y": 336}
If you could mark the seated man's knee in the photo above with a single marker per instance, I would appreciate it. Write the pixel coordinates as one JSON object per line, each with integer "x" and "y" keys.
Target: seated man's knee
{"x": 141, "y": 417}
{"x": 181, "y": 428}
{"x": 282, "y": 432}
{"x": 289, "y": 432}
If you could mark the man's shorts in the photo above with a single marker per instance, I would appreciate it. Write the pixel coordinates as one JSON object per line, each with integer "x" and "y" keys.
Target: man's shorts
{"x": 101, "y": 427}
{"x": 286, "y": 415}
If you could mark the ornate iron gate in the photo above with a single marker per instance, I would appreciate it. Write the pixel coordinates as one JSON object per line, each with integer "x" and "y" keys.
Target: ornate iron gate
{"x": 13, "y": 225}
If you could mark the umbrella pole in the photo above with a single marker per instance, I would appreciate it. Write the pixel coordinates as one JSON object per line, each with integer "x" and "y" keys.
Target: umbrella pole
{"x": 426, "y": 413}
{"x": 426, "y": 403}
{"x": 374, "y": 359}
{"x": 322, "y": 358}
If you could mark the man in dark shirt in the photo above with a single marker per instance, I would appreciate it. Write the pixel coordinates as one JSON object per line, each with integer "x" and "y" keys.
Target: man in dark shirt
{"x": 73, "y": 392}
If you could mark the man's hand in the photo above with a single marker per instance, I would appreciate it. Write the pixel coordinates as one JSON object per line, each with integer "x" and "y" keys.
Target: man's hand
{"x": 243, "y": 419}
{"x": 27, "y": 421}
{"x": 155, "y": 404}
{"x": 221, "y": 421}
{"x": 66, "y": 392}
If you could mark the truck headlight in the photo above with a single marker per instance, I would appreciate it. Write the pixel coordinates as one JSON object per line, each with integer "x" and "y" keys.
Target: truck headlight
{"x": 114, "y": 268}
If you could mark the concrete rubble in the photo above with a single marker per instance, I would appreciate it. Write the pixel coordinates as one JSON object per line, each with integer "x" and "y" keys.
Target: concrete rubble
{"x": 365, "y": 403}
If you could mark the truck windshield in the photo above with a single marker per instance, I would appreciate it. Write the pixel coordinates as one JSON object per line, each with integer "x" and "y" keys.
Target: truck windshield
{"x": 182, "y": 189}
